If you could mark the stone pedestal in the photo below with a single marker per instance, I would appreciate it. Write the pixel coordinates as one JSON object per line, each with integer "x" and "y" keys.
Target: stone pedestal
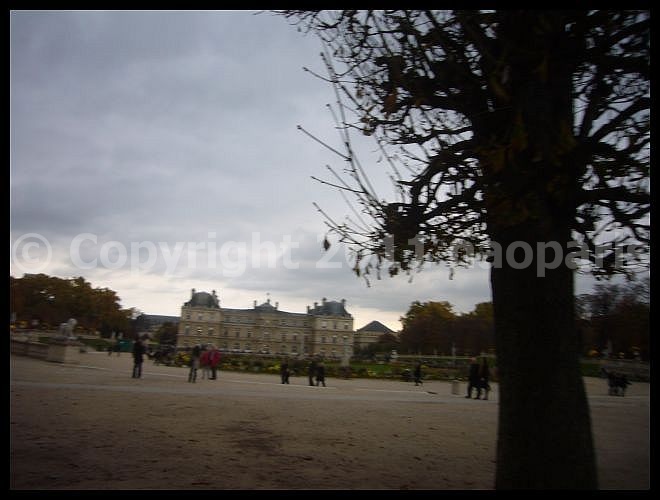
{"x": 455, "y": 387}
{"x": 67, "y": 351}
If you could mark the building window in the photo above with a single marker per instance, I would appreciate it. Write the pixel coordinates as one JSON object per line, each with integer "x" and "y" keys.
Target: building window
{"x": 226, "y": 333}
{"x": 199, "y": 331}
{"x": 322, "y": 340}
{"x": 324, "y": 324}
{"x": 295, "y": 337}
{"x": 186, "y": 330}
{"x": 334, "y": 339}
{"x": 200, "y": 317}
{"x": 345, "y": 326}
{"x": 211, "y": 331}
{"x": 238, "y": 333}
{"x": 284, "y": 337}
{"x": 249, "y": 334}
{"x": 187, "y": 315}
{"x": 334, "y": 325}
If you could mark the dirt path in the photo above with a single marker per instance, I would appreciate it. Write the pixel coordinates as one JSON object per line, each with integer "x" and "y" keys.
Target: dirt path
{"x": 91, "y": 426}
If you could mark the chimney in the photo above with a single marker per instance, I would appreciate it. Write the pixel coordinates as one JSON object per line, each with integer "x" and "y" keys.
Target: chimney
{"x": 307, "y": 309}
{"x": 255, "y": 304}
{"x": 192, "y": 293}
{"x": 343, "y": 302}
{"x": 324, "y": 299}
{"x": 277, "y": 304}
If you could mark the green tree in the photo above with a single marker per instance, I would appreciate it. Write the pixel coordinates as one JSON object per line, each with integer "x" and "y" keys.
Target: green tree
{"x": 474, "y": 331}
{"x": 513, "y": 135}
{"x": 166, "y": 333}
{"x": 384, "y": 345}
{"x": 428, "y": 328}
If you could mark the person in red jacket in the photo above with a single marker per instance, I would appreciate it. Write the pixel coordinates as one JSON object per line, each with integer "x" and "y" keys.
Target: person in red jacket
{"x": 214, "y": 361}
{"x": 204, "y": 363}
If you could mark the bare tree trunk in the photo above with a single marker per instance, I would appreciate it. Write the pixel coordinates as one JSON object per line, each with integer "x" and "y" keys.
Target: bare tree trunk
{"x": 544, "y": 435}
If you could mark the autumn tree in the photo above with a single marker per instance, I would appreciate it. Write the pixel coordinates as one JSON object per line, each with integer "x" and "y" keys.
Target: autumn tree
{"x": 517, "y": 136}
{"x": 474, "y": 331}
{"x": 51, "y": 300}
{"x": 617, "y": 315}
{"x": 427, "y": 328}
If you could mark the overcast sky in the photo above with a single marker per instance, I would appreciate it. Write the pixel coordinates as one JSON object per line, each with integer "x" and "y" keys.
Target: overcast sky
{"x": 156, "y": 152}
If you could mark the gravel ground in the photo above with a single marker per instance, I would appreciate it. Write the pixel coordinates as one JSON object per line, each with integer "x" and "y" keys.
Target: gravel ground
{"x": 93, "y": 427}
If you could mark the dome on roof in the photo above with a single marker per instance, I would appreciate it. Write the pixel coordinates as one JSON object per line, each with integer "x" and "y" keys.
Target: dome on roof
{"x": 330, "y": 308}
{"x": 266, "y": 306}
{"x": 203, "y": 299}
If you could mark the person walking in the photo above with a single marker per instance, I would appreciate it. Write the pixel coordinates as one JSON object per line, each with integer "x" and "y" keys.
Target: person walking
{"x": 284, "y": 371}
{"x": 417, "y": 373}
{"x": 311, "y": 371}
{"x": 214, "y": 361}
{"x": 194, "y": 363}
{"x": 138, "y": 358}
{"x": 320, "y": 373}
{"x": 204, "y": 363}
{"x": 473, "y": 377}
{"x": 484, "y": 374}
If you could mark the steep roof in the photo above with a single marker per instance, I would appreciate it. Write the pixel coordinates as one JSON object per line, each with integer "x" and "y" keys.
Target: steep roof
{"x": 203, "y": 299}
{"x": 375, "y": 326}
{"x": 159, "y": 319}
{"x": 330, "y": 308}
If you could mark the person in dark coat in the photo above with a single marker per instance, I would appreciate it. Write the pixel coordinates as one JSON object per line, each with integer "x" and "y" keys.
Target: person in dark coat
{"x": 417, "y": 373}
{"x": 311, "y": 371}
{"x": 284, "y": 371}
{"x": 138, "y": 358}
{"x": 194, "y": 363}
{"x": 473, "y": 377}
{"x": 484, "y": 374}
{"x": 320, "y": 373}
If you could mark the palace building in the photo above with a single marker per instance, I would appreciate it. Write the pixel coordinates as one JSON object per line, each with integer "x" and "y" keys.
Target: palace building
{"x": 326, "y": 329}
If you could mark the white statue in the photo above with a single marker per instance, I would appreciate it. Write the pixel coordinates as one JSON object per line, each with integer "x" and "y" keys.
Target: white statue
{"x": 66, "y": 329}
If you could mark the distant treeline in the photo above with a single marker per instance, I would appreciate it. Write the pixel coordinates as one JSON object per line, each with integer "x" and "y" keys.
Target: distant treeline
{"x": 613, "y": 321}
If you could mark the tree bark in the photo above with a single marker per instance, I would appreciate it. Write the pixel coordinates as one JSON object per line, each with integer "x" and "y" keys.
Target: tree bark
{"x": 544, "y": 436}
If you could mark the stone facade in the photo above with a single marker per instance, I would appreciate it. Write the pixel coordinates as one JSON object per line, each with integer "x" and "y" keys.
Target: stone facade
{"x": 325, "y": 330}
{"x": 370, "y": 334}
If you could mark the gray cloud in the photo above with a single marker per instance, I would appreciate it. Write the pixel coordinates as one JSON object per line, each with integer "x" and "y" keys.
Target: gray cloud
{"x": 167, "y": 127}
